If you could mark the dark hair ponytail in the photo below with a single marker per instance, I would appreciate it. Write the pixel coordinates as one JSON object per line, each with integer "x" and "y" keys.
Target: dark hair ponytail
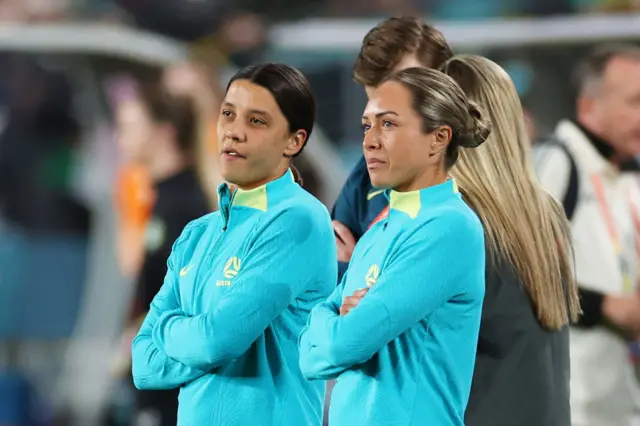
{"x": 297, "y": 176}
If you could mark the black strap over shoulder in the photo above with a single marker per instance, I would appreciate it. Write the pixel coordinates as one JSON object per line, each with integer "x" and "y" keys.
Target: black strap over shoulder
{"x": 570, "y": 199}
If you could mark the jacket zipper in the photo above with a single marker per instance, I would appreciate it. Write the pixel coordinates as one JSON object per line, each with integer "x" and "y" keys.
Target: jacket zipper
{"x": 225, "y": 212}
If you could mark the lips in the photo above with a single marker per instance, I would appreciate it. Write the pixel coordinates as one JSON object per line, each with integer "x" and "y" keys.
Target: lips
{"x": 232, "y": 153}
{"x": 373, "y": 163}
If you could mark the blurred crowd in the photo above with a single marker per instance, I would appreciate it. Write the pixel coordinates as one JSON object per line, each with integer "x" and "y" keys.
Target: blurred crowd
{"x": 86, "y": 154}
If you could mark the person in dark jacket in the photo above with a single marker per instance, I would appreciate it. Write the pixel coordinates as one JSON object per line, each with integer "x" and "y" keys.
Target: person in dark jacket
{"x": 394, "y": 44}
{"x": 522, "y": 366}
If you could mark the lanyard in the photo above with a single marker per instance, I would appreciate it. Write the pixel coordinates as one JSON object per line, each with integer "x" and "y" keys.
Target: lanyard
{"x": 607, "y": 215}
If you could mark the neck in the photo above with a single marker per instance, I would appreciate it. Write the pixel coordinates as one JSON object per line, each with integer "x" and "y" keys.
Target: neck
{"x": 603, "y": 145}
{"x": 279, "y": 172}
{"x": 429, "y": 177}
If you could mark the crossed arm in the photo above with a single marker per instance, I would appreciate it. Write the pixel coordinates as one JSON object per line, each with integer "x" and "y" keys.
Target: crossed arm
{"x": 152, "y": 369}
{"x": 419, "y": 278}
{"x": 270, "y": 279}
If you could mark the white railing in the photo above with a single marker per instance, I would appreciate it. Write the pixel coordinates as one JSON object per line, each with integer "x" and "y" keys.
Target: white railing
{"x": 318, "y": 35}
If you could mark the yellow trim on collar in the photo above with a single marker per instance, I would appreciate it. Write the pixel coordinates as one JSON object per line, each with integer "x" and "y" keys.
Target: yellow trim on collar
{"x": 411, "y": 202}
{"x": 254, "y": 198}
{"x": 407, "y": 202}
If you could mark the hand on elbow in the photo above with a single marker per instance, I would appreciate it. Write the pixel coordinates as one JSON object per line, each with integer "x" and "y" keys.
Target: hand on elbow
{"x": 352, "y": 301}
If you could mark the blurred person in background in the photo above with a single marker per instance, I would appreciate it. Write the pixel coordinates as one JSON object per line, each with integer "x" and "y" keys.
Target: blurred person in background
{"x": 199, "y": 81}
{"x": 592, "y": 162}
{"x": 157, "y": 132}
{"x": 44, "y": 234}
{"x": 394, "y": 44}
{"x": 522, "y": 366}
{"x": 224, "y": 325}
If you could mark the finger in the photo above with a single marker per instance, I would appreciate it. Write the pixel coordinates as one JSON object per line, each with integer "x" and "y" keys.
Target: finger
{"x": 344, "y": 256}
{"x": 360, "y": 293}
{"x": 350, "y": 300}
{"x": 346, "y": 307}
{"x": 344, "y": 233}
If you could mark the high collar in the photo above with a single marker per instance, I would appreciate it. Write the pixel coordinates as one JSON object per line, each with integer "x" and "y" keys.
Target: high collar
{"x": 258, "y": 198}
{"x": 606, "y": 150}
{"x": 412, "y": 202}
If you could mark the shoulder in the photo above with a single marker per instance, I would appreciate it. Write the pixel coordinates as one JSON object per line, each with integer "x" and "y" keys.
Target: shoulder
{"x": 300, "y": 213}
{"x": 454, "y": 218}
{"x": 553, "y": 166}
{"x": 196, "y": 227}
{"x": 550, "y": 154}
{"x": 452, "y": 224}
{"x": 302, "y": 204}
{"x": 552, "y": 162}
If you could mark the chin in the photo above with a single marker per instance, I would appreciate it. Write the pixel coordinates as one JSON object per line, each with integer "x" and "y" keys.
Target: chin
{"x": 379, "y": 183}
{"x": 229, "y": 177}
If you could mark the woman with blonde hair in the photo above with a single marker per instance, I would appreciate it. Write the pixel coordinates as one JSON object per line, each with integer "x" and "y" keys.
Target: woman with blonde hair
{"x": 522, "y": 367}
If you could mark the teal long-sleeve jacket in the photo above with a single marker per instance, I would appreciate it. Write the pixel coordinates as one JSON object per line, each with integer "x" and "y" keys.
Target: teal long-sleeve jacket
{"x": 238, "y": 291}
{"x": 405, "y": 354}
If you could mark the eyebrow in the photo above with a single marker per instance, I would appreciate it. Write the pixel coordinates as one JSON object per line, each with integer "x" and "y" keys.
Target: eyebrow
{"x": 381, "y": 114}
{"x": 251, "y": 111}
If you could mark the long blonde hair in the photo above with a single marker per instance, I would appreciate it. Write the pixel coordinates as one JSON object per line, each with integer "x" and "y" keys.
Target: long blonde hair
{"x": 522, "y": 222}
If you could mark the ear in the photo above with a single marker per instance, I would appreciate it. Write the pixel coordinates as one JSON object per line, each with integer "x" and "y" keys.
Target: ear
{"x": 441, "y": 139}
{"x": 585, "y": 109}
{"x": 296, "y": 143}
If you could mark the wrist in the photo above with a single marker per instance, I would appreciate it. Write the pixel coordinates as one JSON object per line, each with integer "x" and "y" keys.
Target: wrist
{"x": 163, "y": 321}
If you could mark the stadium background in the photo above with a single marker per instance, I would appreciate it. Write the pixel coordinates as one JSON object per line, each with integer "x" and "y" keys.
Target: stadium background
{"x": 63, "y": 300}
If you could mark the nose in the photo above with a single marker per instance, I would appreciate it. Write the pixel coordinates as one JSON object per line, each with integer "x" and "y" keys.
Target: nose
{"x": 235, "y": 133}
{"x": 371, "y": 140}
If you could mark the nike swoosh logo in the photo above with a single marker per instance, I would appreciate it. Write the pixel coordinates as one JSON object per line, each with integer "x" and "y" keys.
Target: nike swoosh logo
{"x": 373, "y": 194}
{"x": 184, "y": 271}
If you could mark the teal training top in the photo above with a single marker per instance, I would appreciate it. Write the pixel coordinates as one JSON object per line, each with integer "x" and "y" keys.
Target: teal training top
{"x": 238, "y": 291}
{"x": 404, "y": 356}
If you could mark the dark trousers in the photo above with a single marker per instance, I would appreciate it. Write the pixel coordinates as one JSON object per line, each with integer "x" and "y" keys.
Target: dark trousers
{"x": 156, "y": 408}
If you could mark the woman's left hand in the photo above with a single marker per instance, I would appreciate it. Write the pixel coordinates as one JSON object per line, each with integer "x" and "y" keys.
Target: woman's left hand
{"x": 352, "y": 301}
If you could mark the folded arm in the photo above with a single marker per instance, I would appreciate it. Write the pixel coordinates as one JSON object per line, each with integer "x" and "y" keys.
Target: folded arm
{"x": 290, "y": 255}
{"x": 312, "y": 362}
{"x": 152, "y": 369}
{"x": 419, "y": 278}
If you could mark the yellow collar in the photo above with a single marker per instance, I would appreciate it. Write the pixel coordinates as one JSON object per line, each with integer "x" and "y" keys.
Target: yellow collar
{"x": 411, "y": 202}
{"x": 257, "y": 198}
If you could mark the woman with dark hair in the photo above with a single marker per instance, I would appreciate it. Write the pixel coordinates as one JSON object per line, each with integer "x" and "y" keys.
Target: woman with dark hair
{"x": 224, "y": 326}
{"x": 400, "y": 332}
